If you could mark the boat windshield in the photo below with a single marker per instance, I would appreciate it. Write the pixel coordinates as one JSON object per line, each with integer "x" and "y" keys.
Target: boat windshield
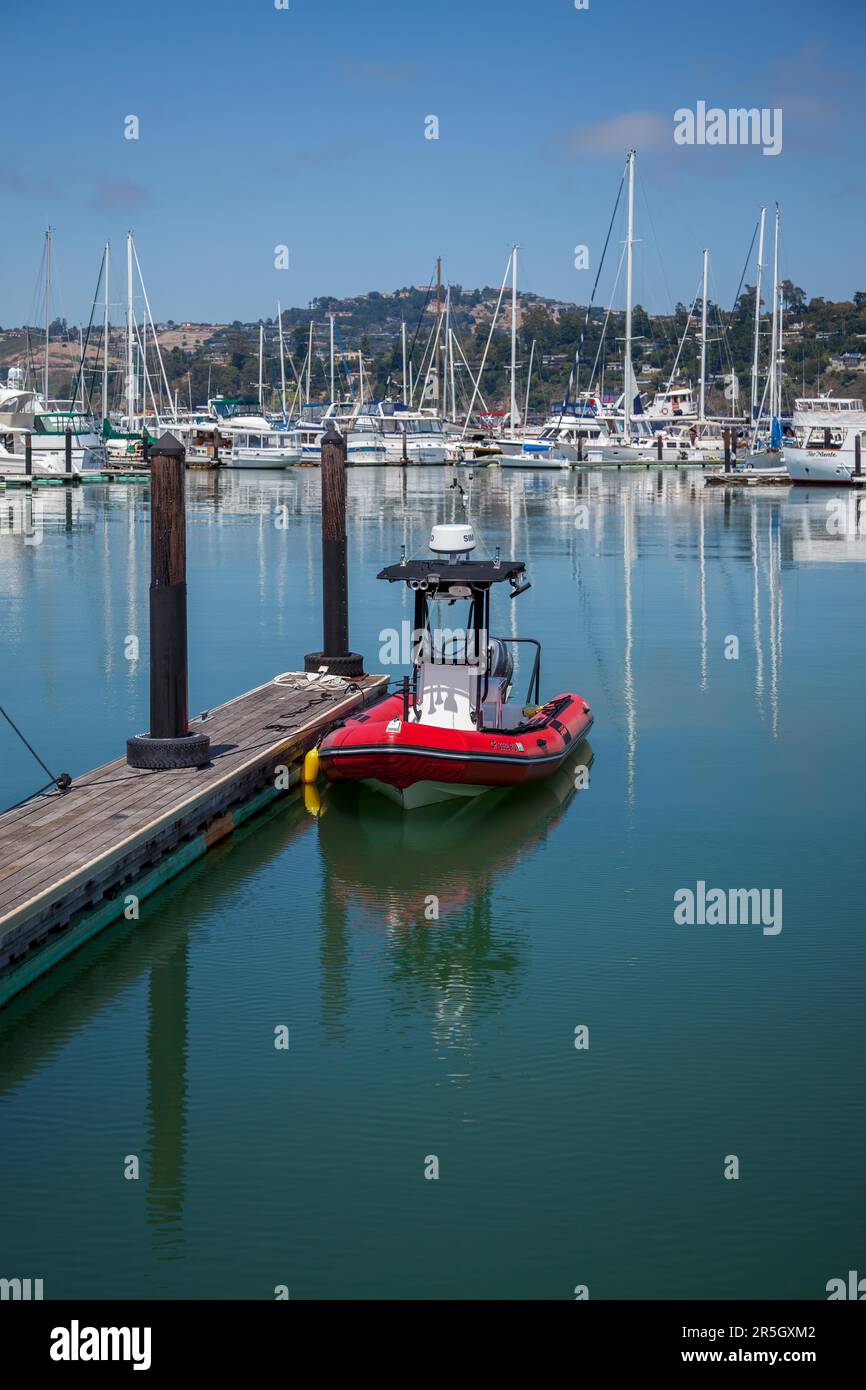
{"x": 62, "y": 421}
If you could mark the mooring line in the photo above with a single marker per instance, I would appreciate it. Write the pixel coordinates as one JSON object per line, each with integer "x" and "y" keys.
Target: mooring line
{"x": 62, "y": 783}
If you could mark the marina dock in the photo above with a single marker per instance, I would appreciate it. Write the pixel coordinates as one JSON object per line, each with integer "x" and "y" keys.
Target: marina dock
{"x": 70, "y": 860}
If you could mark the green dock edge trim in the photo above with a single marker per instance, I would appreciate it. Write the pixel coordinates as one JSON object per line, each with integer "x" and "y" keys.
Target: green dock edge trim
{"x": 174, "y": 863}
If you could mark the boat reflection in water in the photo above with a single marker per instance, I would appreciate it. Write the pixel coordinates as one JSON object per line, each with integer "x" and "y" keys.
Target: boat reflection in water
{"x": 429, "y": 879}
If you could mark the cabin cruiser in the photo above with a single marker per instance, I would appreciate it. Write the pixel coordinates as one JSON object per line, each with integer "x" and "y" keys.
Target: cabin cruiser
{"x": 453, "y": 730}
{"x": 410, "y": 436}
{"x": 365, "y": 442}
{"x": 825, "y": 448}
{"x": 564, "y": 439}
{"x": 23, "y": 412}
{"x": 675, "y": 403}
{"x": 253, "y": 442}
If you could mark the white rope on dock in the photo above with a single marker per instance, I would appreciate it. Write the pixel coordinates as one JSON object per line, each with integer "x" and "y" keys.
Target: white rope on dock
{"x": 299, "y": 680}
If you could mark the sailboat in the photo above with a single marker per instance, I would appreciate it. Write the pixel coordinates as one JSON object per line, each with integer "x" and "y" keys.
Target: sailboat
{"x": 24, "y": 410}
{"x": 765, "y": 453}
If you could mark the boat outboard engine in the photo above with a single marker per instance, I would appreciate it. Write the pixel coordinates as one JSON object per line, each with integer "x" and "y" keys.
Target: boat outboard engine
{"x": 500, "y": 661}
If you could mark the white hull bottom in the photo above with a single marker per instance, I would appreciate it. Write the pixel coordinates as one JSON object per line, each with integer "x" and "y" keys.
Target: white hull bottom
{"x": 274, "y": 458}
{"x": 354, "y": 457}
{"x": 621, "y": 454}
{"x": 432, "y": 455}
{"x": 83, "y": 461}
{"x": 818, "y": 466}
{"x": 548, "y": 460}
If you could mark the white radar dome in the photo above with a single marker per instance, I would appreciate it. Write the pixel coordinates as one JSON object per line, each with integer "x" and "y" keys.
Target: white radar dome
{"x": 452, "y": 540}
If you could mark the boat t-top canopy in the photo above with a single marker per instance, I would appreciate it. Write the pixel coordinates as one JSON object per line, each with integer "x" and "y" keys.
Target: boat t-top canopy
{"x": 439, "y": 576}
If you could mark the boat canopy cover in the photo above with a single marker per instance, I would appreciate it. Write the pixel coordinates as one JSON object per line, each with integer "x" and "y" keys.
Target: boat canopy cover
{"x": 436, "y": 574}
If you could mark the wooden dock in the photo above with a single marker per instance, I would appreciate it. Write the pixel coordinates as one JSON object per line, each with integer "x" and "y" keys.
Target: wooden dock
{"x": 102, "y": 475}
{"x": 69, "y": 860}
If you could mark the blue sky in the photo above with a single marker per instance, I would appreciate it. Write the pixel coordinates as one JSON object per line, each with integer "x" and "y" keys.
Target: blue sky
{"x": 305, "y": 127}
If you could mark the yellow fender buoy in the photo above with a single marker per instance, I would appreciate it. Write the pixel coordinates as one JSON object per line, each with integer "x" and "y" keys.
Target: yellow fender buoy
{"x": 310, "y": 769}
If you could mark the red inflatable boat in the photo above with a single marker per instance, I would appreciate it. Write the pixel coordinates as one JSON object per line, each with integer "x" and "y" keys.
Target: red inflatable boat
{"x": 453, "y": 730}
{"x": 382, "y": 746}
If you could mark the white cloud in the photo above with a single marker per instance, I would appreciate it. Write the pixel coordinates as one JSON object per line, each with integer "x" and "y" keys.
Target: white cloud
{"x": 640, "y": 130}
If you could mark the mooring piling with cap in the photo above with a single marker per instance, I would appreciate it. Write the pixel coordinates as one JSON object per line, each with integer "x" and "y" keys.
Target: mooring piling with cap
{"x": 71, "y": 860}
{"x": 335, "y": 656}
{"x": 169, "y": 742}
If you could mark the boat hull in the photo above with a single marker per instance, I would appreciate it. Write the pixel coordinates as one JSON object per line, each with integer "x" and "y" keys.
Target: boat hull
{"x": 827, "y": 467}
{"x": 264, "y": 458}
{"x": 381, "y": 748}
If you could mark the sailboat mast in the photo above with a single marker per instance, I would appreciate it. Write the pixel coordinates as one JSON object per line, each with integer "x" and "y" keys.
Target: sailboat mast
{"x": 331, "y": 316}
{"x": 130, "y": 355}
{"x": 451, "y": 361}
{"x": 774, "y": 405}
{"x": 282, "y": 359}
{"x": 515, "y": 418}
{"x": 628, "y": 397}
{"x": 780, "y": 350}
{"x": 47, "y": 307}
{"x": 105, "y": 335}
{"x": 309, "y": 361}
{"x": 528, "y": 384}
{"x": 261, "y": 364}
{"x": 405, "y": 379}
{"x": 438, "y": 326}
{"x": 702, "y": 415}
{"x": 758, "y": 278}
{"x": 446, "y": 372}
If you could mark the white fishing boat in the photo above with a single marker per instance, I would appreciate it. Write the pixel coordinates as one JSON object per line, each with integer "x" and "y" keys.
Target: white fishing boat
{"x": 23, "y": 412}
{"x": 409, "y": 436}
{"x": 673, "y": 405}
{"x": 564, "y": 439}
{"x": 365, "y": 444}
{"x": 253, "y": 441}
{"x": 830, "y": 439}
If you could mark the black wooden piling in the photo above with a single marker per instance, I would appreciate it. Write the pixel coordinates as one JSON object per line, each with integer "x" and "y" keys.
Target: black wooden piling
{"x": 659, "y": 446}
{"x": 580, "y": 446}
{"x": 335, "y": 654}
{"x": 68, "y": 444}
{"x": 858, "y": 470}
{"x": 405, "y": 445}
{"x": 28, "y": 454}
{"x": 145, "y": 444}
{"x": 169, "y": 744}
{"x": 726, "y": 435}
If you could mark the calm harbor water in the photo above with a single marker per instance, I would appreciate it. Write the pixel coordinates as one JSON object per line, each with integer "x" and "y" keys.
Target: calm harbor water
{"x": 410, "y": 1038}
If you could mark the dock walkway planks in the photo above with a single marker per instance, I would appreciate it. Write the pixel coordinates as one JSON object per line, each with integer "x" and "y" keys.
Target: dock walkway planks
{"x": 68, "y": 855}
